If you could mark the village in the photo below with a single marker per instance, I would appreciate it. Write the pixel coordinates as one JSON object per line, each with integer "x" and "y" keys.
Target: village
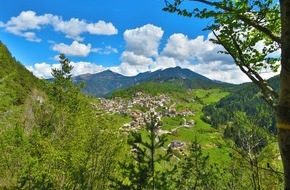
{"x": 139, "y": 109}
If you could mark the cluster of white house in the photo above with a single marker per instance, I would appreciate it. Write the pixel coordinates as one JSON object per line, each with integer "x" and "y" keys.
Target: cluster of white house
{"x": 139, "y": 108}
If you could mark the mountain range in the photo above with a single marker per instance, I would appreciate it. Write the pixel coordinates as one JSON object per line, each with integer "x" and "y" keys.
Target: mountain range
{"x": 106, "y": 82}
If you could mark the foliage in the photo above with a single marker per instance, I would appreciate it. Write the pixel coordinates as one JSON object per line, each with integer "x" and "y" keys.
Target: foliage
{"x": 196, "y": 172}
{"x": 54, "y": 137}
{"x": 242, "y": 98}
{"x": 250, "y": 150}
{"x": 152, "y": 88}
{"x": 15, "y": 81}
{"x": 56, "y": 141}
{"x": 170, "y": 87}
{"x": 142, "y": 172}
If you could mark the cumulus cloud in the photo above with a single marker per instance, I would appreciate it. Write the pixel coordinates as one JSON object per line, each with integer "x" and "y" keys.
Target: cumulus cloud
{"x": 144, "y": 40}
{"x": 72, "y": 28}
{"x": 220, "y": 71}
{"x": 75, "y": 49}
{"x": 202, "y": 56}
{"x": 141, "y": 54}
{"x": 27, "y": 23}
{"x": 101, "y": 28}
{"x": 130, "y": 70}
{"x": 30, "y": 36}
{"x": 199, "y": 55}
{"x": 134, "y": 59}
{"x": 141, "y": 49}
{"x": 85, "y": 67}
{"x": 106, "y": 50}
{"x": 182, "y": 48}
{"x": 43, "y": 70}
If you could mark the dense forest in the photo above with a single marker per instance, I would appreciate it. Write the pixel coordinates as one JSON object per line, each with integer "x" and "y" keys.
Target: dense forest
{"x": 173, "y": 134}
{"x": 246, "y": 98}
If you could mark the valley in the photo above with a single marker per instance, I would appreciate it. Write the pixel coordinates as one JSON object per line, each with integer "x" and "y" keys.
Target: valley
{"x": 177, "y": 127}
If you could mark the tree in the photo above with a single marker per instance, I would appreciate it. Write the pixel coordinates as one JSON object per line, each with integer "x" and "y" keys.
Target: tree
{"x": 59, "y": 143}
{"x": 195, "y": 170}
{"x": 62, "y": 78}
{"x": 239, "y": 26}
{"x": 66, "y": 96}
{"x": 249, "y": 149}
{"x": 147, "y": 152}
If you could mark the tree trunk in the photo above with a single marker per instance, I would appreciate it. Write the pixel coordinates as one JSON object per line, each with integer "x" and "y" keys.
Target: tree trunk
{"x": 284, "y": 101}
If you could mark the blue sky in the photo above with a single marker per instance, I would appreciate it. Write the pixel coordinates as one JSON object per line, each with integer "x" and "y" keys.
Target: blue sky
{"x": 125, "y": 36}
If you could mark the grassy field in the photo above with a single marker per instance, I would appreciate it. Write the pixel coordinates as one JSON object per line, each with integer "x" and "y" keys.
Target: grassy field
{"x": 209, "y": 138}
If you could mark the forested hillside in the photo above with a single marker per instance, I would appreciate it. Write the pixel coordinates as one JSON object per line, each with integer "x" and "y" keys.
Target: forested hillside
{"x": 50, "y": 136}
{"x": 169, "y": 86}
{"x": 245, "y": 98}
{"x": 16, "y": 81}
{"x": 150, "y": 136}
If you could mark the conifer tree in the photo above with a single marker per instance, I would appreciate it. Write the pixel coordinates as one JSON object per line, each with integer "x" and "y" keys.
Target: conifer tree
{"x": 147, "y": 152}
{"x": 195, "y": 170}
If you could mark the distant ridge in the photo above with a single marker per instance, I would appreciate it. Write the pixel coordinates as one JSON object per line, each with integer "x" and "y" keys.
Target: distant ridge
{"x": 103, "y": 83}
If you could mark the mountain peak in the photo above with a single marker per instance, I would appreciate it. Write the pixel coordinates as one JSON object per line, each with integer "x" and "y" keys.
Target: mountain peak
{"x": 107, "y": 81}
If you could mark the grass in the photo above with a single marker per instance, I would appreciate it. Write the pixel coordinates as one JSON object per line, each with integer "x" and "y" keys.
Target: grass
{"x": 209, "y": 138}
{"x": 210, "y": 96}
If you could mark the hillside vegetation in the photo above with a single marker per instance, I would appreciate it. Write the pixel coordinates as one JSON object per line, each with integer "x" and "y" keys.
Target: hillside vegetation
{"x": 153, "y": 135}
{"x": 246, "y": 98}
{"x": 15, "y": 80}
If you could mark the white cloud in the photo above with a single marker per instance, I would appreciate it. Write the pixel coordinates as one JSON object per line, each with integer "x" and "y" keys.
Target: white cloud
{"x": 163, "y": 62}
{"x": 198, "y": 54}
{"x": 27, "y": 20}
{"x": 141, "y": 54}
{"x": 106, "y": 51}
{"x": 75, "y": 49}
{"x": 101, "y": 28}
{"x": 85, "y": 67}
{"x": 31, "y": 36}
{"x": 72, "y": 28}
{"x": 130, "y": 70}
{"x": 141, "y": 49}
{"x": 27, "y": 23}
{"x": 43, "y": 70}
{"x": 133, "y": 59}
{"x": 218, "y": 70}
{"x": 201, "y": 56}
{"x": 144, "y": 40}
{"x": 182, "y": 48}
{"x": 75, "y": 27}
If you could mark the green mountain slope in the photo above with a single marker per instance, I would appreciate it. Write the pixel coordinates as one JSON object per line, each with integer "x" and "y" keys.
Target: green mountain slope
{"x": 106, "y": 82}
{"x": 245, "y": 98}
{"x": 57, "y": 138}
{"x": 168, "y": 86}
{"x": 15, "y": 80}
